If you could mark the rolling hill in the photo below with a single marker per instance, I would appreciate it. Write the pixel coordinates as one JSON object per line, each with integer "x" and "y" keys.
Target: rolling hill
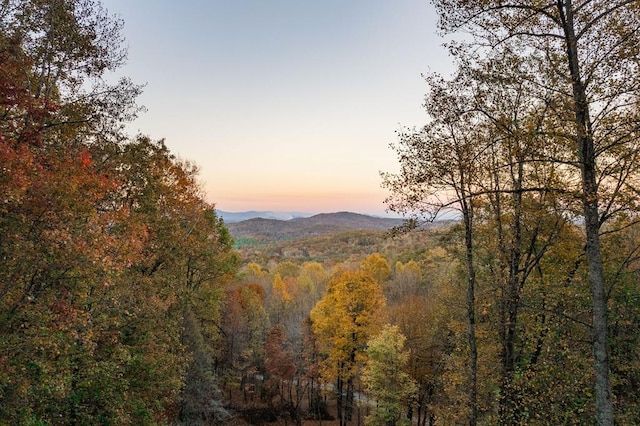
{"x": 233, "y": 217}
{"x": 264, "y": 230}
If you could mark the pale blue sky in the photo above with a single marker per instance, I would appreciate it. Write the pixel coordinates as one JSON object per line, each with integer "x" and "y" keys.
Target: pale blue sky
{"x": 284, "y": 104}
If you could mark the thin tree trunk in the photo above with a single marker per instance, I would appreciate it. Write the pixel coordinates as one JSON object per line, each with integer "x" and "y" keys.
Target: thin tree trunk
{"x": 586, "y": 155}
{"x": 509, "y": 408}
{"x": 471, "y": 316}
{"x": 349, "y": 404}
{"x": 339, "y": 400}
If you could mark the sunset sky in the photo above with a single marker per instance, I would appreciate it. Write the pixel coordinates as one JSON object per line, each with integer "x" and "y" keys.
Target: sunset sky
{"x": 286, "y": 105}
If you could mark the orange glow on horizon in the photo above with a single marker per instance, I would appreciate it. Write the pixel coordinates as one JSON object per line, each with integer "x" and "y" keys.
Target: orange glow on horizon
{"x": 321, "y": 202}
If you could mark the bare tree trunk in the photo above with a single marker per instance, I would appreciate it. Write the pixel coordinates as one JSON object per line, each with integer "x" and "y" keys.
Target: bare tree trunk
{"x": 471, "y": 317}
{"x": 349, "y": 400}
{"x": 509, "y": 411}
{"x": 339, "y": 399}
{"x": 586, "y": 155}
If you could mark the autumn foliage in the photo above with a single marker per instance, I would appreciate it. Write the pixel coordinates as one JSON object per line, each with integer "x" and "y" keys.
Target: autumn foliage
{"x": 122, "y": 300}
{"x": 106, "y": 244}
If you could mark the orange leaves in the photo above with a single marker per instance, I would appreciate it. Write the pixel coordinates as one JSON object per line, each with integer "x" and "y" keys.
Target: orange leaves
{"x": 95, "y": 264}
{"x": 101, "y": 244}
{"x": 280, "y": 289}
{"x": 66, "y": 316}
{"x": 85, "y": 158}
{"x": 16, "y": 163}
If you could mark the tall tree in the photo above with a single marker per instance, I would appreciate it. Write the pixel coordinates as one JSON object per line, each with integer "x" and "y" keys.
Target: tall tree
{"x": 522, "y": 199}
{"x": 59, "y": 260}
{"x": 246, "y": 322}
{"x": 441, "y": 170}
{"x": 344, "y": 320}
{"x": 586, "y": 55}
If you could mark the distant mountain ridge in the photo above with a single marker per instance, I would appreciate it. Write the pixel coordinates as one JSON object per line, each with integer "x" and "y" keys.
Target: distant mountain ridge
{"x": 233, "y": 217}
{"x": 258, "y": 228}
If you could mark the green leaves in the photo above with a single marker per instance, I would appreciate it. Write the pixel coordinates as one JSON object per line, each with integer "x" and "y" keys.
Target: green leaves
{"x": 103, "y": 244}
{"x": 386, "y": 379}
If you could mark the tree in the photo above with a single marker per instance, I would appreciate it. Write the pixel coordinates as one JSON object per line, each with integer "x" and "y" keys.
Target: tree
{"x": 406, "y": 280}
{"x": 108, "y": 251}
{"x": 245, "y": 323}
{"x": 441, "y": 170}
{"x": 378, "y": 267}
{"x": 201, "y": 399}
{"x": 344, "y": 320}
{"x": 311, "y": 282}
{"x": 585, "y": 57}
{"x": 59, "y": 261}
{"x": 284, "y": 372}
{"x": 71, "y": 45}
{"x": 425, "y": 319}
{"x": 280, "y": 297}
{"x": 386, "y": 379}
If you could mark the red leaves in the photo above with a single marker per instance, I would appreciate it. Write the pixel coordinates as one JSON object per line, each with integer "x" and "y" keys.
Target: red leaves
{"x": 279, "y": 359}
{"x": 85, "y": 158}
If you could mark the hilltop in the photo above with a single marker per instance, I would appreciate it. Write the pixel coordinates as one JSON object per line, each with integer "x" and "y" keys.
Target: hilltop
{"x": 262, "y": 229}
{"x": 322, "y": 237}
{"x": 233, "y": 217}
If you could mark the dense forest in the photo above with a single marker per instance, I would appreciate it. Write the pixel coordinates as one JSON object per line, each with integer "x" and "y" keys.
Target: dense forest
{"x": 124, "y": 299}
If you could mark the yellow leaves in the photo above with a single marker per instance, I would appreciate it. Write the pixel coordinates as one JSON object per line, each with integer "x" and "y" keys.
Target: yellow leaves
{"x": 410, "y": 268}
{"x": 436, "y": 254}
{"x": 254, "y": 270}
{"x": 378, "y": 267}
{"x": 346, "y": 317}
{"x": 312, "y": 278}
{"x": 279, "y": 289}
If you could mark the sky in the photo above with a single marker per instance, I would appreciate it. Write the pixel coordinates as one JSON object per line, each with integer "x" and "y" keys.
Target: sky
{"x": 285, "y": 105}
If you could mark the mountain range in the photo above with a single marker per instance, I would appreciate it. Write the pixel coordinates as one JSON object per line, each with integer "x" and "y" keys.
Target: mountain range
{"x": 260, "y": 228}
{"x": 233, "y": 217}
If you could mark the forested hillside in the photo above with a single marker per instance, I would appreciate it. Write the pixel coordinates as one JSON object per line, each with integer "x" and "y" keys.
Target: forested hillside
{"x": 261, "y": 230}
{"x": 124, "y": 299}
